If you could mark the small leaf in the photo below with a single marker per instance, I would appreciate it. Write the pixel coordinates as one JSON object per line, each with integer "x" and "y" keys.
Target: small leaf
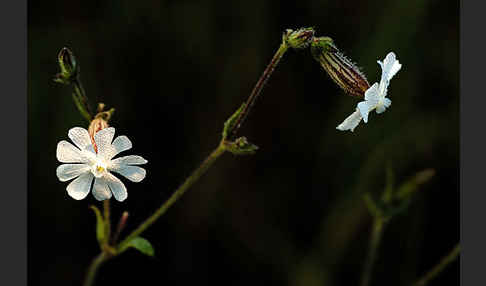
{"x": 229, "y": 125}
{"x": 100, "y": 226}
{"x": 141, "y": 244}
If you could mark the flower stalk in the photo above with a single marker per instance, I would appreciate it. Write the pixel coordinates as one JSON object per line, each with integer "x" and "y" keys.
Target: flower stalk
{"x": 259, "y": 86}
{"x": 106, "y": 215}
{"x": 194, "y": 177}
{"x": 375, "y": 240}
{"x": 70, "y": 75}
{"x": 94, "y": 267}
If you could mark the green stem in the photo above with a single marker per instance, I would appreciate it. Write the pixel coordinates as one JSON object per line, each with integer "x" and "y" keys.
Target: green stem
{"x": 446, "y": 260}
{"x": 375, "y": 240}
{"x": 259, "y": 86}
{"x": 93, "y": 268}
{"x": 106, "y": 212}
{"x": 175, "y": 196}
{"x": 81, "y": 100}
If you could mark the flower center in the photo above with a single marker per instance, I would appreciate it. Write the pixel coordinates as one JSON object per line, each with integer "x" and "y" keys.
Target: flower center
{"x": 98, "y": 169}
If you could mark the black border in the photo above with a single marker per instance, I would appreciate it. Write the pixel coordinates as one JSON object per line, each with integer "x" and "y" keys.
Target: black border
{"x": 13, "y": 209}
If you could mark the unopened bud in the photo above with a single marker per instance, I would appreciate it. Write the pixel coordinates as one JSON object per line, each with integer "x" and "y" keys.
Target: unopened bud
{"x": 341, "y": 70}
{"x": 96, "y": 125}
{"x": 299, "y": 39}
{"x": 121, "y": 225}
{"x": 68, "y": 66}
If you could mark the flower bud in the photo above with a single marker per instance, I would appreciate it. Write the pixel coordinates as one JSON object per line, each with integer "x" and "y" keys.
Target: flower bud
{"x": 96, "y": 125}
{"x": 69, "y": 68}
{"x": 299, "y": 39}
{"x": 341, "y": 70}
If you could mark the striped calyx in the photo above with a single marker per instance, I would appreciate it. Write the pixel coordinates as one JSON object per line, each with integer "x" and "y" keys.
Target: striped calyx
{"x": 341, "y": 70}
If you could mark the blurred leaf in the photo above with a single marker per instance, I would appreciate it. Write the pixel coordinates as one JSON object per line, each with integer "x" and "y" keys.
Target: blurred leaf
{"x": 407, "y": 189}
{"x": 141, "y": 244}
{"x": 100, "y": 225}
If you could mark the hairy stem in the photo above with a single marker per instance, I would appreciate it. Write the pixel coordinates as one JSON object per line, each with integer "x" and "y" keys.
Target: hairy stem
{"x": 443, "y": 263}
{"x": 259, "y": 86}
{"x": 93, "y": 268}
{"x": 375, "y": 240}
{"x": 194, "y": 177}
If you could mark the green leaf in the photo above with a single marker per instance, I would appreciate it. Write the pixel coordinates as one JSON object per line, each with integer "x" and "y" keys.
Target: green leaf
{"x": 141, "y": 244}
{"x": 100, "y": 226}
{"x": 229, "y": 125}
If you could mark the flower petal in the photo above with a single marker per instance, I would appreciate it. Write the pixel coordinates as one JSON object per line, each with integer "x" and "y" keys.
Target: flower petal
{"x": 390, "y": 66}
{"x": 128, "y": 160}
{"x": 103, "y": 140}
{"x": 350, "y": 122}
{"x": 101, "y": 191}
{"x": 364, "y": 108}
{"x": 67, "y": 153}
{"x": 386, "y": 102}
{"x": 80, "y": 137}
{"x": 117, "y": 187}
{"x": 133, "y": 173}
{"x": 372, "y": 95}
{"x": 66, "y": 172}
{"x": 79, "y": 188}
{"x": 120, "y": 144}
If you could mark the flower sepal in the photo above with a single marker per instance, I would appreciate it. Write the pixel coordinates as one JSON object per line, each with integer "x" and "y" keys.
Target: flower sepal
{"x": 240, "y": 146}
{"x": 100, "y": 226}
{"x": 298, "y": 39}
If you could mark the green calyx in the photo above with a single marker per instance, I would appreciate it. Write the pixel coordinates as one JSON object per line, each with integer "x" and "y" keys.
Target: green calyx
{"x": 298, "y": 39}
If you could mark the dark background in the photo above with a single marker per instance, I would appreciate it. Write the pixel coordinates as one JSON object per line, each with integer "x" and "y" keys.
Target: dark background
{"x": 293, "y": 213}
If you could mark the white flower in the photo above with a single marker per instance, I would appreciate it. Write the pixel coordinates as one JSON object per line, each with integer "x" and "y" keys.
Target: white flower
{"x": 85, "y": 164}
{"x": 375, "y": 96}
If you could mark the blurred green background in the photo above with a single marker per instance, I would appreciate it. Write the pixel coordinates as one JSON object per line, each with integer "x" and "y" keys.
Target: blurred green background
{"x": 293, "y": 213}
